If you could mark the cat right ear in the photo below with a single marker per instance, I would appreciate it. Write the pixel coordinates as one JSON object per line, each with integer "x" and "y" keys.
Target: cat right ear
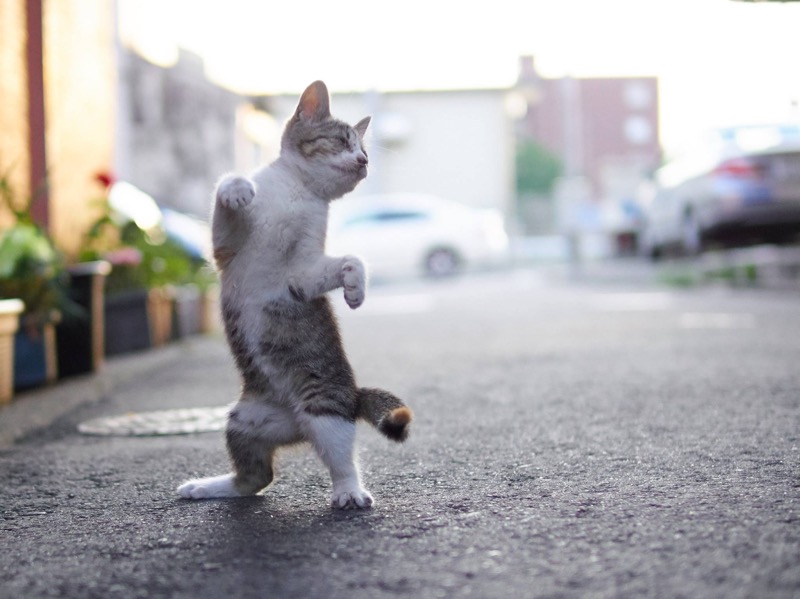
{"x": 314, "y": 104}
{"x": 361, "y": 126}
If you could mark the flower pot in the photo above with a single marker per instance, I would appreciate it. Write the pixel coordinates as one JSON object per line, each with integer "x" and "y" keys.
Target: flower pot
{"x": 9, "y": 323}
{"x": 187, "y": 316}
{"x": 35, "y": 361}
{"x": 210, "y": 319}
{"x": 159, "y": 310}
{"x": 127, "y": 324}
{"x": 81, "y": 337}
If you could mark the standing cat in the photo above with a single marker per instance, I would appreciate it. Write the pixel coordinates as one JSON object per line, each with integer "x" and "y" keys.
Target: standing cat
{"x": 269, "y": 240}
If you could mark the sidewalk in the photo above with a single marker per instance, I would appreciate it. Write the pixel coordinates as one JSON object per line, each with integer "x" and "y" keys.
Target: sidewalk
{"x": 38, "y": 408}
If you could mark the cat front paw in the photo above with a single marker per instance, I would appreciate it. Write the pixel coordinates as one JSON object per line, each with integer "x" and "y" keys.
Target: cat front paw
{"x": 235, "y": 192}
{"x": 351, "y": 499}
{"x": 354, "y": 281}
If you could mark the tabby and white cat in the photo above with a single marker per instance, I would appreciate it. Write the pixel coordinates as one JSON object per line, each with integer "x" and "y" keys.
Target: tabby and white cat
{"x": 269, "y": 241}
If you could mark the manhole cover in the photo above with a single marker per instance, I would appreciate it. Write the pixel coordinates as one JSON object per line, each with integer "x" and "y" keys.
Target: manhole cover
{"x": 164, "y": 422}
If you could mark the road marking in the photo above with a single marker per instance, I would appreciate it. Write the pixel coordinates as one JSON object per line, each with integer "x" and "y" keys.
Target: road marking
{"x": 716, "y": 320}
{"x": 163, "y": 422}
{"x": 647, "y": 301}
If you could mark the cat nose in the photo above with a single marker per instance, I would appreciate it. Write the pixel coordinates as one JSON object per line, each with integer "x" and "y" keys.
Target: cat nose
{"x": 362, "y": 159}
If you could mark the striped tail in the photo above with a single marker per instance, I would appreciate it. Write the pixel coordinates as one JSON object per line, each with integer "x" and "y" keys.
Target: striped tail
{"x": 385, "y": 412}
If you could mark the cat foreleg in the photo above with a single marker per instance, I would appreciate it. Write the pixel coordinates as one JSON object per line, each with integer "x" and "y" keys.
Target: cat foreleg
{"x": 333, "y": 438}
{"x": 328, "y": 274}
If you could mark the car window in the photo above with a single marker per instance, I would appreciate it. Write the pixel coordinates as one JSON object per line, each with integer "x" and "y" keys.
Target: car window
{"x": 384, "y": 217}
{"x": 394, "y": 216}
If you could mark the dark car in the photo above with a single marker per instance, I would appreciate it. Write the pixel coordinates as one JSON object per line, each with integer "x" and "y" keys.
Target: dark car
{"x": 739, "y": 186}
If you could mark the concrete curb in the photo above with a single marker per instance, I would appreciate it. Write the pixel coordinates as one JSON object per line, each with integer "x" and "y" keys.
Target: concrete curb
{"x": 39, "y": 408}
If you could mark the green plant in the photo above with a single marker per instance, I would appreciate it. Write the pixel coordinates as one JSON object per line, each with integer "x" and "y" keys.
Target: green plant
{"x": 140, "y": 259}
{"x": 31, "y": 268}
{"x": 537, "y": 168}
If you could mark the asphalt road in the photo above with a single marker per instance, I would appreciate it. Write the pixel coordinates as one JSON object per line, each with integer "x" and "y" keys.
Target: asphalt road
{"x": 569, "y": 441}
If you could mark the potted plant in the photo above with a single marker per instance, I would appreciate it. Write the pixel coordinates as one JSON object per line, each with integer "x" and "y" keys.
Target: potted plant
{"x": 196, "y": 289}
{"x": 146, "y": 269}
{"x": 10, "y": 309}
{"x": 81, "y": 341}
{"x": 32, "y": 270}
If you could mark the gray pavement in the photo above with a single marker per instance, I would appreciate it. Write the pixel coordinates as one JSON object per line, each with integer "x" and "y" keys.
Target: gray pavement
{"x": 571, "y": 440}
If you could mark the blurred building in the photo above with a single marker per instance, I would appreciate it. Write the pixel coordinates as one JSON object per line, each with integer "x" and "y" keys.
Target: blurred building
{"x": 603, "y": 129}
{"x": 176, "y": 130}
{"x": 77, "y": 104}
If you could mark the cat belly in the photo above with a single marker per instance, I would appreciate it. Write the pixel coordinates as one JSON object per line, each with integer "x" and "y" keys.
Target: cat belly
{"x": 274, "y": 424}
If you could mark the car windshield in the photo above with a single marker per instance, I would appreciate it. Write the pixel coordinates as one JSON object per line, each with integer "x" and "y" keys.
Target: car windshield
{"x": 759, "y": 137}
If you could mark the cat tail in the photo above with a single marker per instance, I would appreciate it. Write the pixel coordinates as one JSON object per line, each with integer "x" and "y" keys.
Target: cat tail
{"x": 385, "y": 412}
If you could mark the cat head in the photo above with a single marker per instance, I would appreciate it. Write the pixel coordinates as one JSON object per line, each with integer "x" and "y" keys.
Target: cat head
{"x": 329, "y": 151}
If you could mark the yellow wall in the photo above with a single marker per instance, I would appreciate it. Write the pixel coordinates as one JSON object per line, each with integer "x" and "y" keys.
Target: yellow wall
{"x": 80, "y": 101}
{"x": 14, "y": 160}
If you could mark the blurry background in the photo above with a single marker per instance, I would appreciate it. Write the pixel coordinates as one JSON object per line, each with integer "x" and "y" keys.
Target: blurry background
{"x": 557, "y": 115}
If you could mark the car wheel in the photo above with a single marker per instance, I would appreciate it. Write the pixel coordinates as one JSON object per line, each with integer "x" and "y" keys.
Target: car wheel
{"x": 655, "y": 253}
{"x": 691, "y": 234}
{"x": 441, "y": 262}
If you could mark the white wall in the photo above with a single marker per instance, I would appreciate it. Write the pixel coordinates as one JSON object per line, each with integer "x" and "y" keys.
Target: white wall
{"x": 455, "y": 144}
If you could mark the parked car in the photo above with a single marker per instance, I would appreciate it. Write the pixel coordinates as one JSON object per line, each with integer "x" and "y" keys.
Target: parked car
{"x": 738, "y": 186}
{"x": 410, "y": 234}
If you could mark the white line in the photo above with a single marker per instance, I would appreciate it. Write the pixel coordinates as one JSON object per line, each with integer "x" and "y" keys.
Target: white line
{"x": 716, "y": 320}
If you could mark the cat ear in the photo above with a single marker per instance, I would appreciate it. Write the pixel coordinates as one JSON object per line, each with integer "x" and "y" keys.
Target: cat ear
{"x": 315, "y": 103}
{"x": 361, "y": 126}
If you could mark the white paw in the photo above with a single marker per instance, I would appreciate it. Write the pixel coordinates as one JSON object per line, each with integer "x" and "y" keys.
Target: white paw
{"x": 235, "y": 192}
{"x": 209, "y": 488}
{"x": 358, "y": 498}
{"x": 354, "y": 281}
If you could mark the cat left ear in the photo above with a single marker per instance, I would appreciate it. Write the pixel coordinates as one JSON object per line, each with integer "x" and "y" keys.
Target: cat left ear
{"x": 361, "y": 126}
{"x": 315, "y": 103}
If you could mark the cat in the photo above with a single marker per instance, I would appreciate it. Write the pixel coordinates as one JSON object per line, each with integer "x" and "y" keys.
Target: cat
{"x": 297, "y": 384}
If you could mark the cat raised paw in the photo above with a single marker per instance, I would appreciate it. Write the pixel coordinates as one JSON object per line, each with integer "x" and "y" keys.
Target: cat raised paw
{"x": 235, "y": 192}
{"x": 353, "y": 281}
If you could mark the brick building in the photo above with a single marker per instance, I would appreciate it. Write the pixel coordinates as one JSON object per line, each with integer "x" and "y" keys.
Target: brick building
{"x": 603, "y": 129}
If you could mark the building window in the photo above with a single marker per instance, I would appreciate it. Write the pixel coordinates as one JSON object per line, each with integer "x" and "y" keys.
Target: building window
{"x": 638, "y": 130}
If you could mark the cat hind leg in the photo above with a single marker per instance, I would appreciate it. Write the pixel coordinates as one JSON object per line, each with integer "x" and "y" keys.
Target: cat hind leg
{"x": 210, "y": 487}
{"x": 252, "y": 472}
{"x": 333, "y": 439}
{"x": 252, "y": 434}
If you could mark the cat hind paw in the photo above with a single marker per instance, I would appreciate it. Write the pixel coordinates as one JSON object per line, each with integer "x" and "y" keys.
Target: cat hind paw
{"x": 209, "y": 488}
{"x": 235, "y": 192}
{"x": 352, "y": 499}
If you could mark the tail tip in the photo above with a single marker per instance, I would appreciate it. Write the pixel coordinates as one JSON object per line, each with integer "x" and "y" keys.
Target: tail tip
{"x": 395, "y": 424}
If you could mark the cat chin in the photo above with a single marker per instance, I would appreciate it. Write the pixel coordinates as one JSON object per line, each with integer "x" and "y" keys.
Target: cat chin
{"x": 360, "y": 172}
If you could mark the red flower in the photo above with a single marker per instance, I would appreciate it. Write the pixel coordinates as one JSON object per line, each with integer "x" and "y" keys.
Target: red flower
{"x": 105, "y": 178}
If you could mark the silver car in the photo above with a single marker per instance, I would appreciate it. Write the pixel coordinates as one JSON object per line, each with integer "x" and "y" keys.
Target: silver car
{"x": 407, "y": 234}
{"x": 736, "y": 187}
